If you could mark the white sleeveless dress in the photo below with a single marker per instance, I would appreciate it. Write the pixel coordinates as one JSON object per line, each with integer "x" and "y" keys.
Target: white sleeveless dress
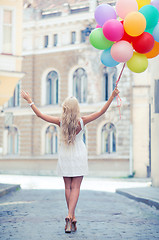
{"x": 72, "y": 159}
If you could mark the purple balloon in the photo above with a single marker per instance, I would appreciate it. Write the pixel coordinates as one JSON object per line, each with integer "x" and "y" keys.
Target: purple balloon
{"x": 103, "y": 13}
{"x": 155, "y": 3}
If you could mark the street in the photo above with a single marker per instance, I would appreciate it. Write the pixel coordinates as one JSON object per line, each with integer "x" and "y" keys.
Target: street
{"x": 30, "y": 214}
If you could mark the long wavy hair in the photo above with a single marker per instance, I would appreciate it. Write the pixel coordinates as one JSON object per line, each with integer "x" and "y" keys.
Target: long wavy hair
{"x": 69, "y": 119}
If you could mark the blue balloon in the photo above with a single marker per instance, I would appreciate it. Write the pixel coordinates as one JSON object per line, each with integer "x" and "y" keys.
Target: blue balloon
{"x": 156, "y": 33}
{"x": 107, "y": 59}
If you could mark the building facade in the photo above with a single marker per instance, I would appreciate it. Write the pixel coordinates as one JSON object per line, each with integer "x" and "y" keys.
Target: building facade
{"x": 10, "y": 47}
{"x": 60, "y": 62}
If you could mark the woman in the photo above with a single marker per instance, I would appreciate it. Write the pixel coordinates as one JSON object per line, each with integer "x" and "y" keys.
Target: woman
{"x": 72, "y": 158}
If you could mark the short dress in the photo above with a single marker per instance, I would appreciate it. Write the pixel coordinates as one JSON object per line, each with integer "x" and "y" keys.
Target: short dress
{"x": 72, "y": 158}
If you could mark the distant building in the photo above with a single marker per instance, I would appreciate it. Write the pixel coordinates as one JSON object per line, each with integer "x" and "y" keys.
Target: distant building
{"x": 59, "y": 62}
{"x": 10, "y": 58}
{"x": 10, "y": 47}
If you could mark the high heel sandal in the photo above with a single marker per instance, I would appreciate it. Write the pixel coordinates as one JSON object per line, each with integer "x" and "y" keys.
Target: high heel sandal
{"x": 74, "y": 227}
{"x": 68, "y": 226}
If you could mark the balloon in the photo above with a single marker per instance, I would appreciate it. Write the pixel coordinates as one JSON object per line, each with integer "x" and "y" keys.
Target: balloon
{"x": 143, "y": 43}
{"x": 122, "y": 51}
{"x": 138, "y": 63}
{"x": 98, "y": 40}
{"x": 142, "y": 3}
{"x": 98, "y": 26}
{"x": 156, "y": 33}
{"x": 134, "y": 24}
{"x": 151, "y": 15}
{"x": 155, "y": 3}
{"x": 154, "y": 52}
{"x": 107, "y": 59}
{"x": 113, "y": 30}
{"x": 103, "y": 13}
{"x": 126, "y": 36}
{"x": 150, "y": 30}
{"x": 123, "y": 7}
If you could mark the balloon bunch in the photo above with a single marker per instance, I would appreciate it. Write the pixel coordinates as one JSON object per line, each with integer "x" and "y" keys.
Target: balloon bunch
{"x": 132, "y": 39}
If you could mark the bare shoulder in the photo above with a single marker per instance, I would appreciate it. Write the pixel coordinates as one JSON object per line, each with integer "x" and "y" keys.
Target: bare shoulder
{"x": 91, "y": 117}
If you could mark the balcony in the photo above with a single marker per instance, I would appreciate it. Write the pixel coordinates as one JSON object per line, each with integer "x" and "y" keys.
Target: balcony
{"x": 10, "y": 63}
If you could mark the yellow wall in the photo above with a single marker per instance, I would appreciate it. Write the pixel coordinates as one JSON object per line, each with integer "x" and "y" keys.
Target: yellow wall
{"x": 10, "y": 75}
{"x": 18, "y": 5}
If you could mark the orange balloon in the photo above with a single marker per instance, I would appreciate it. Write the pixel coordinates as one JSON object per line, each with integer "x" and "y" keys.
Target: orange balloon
{"x": 154, "y": 52}
{"x": 134, "y": 24}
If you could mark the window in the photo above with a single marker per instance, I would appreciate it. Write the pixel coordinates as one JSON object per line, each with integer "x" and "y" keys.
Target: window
{"x": 80, "y": 85}
{"x": 73, "y": 37}
{"x": 52, "y": 88}
{"x": 51, "y": 140}
{"x": 12, "y": 141}
{"x": 83, "y": 36}
{"x": 46, "y": 40}
{"x": 14, "y": 101}
{"x": 108, "y": 136}
{"x": 7, "y": 31}
{"x": 79, "y": 10}
{"x": 109, "y": 81}
{"x": 55, "y": 40}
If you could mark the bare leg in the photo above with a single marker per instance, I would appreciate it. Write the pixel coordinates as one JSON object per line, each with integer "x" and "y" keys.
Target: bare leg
{"x": 67, "y": 181}
{"x": 74, "y": 195}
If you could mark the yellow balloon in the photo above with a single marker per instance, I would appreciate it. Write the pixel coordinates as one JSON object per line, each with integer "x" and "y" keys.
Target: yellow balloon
{"x": 134, "y": 23}
{"x": 142, "y": 3}
{"x": 138, "y": 63}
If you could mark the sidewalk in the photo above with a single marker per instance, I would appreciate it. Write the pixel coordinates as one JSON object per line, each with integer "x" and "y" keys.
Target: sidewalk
{"x": 137, "y": 189}
{"x": 7, "y": 188}
{"x": 147, "y": 195}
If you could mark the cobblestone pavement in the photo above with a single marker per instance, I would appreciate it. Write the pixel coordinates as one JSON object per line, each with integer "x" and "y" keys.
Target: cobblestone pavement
{"x": 39, "y": 214}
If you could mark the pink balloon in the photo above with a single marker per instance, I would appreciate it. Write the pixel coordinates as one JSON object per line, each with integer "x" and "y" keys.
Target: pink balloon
{"x": 123, "y": 7}
{"x": 98, "y": 26}
{"x": 122, "y": 51}
{"x": 113, "y": 30}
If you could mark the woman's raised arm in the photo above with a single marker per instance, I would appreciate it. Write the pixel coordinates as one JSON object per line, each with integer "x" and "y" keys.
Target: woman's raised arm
{"x": 93, "y": 116}
{"x": 51, "y": 119}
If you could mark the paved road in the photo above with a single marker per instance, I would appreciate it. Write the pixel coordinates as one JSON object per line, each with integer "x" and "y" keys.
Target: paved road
{"x": 39, "y": 214}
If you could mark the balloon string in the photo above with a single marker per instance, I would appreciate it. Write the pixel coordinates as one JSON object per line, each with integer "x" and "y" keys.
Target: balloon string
{"x": 119, "y": 101}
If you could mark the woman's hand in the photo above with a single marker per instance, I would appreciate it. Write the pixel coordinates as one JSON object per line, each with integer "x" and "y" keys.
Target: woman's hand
{"x": 26, "y": 96}
{"x": 115, "y": 92}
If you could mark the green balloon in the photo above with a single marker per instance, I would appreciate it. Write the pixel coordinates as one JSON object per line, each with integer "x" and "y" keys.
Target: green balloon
{"x": 138, "y": 63}
{"x": 98, "y": 40}
{"x": 151, "y": 14}
{"x": 150, "y": 30}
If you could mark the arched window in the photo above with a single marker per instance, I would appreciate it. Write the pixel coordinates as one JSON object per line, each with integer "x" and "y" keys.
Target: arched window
{"x": 14, "y": 101}
{"x": 108, "y": 135}
{"x": 80, "y": 85}
{"x": 12, "y": 141}
{"x": 52, "y": 88}
{"x": 109, "y": 80}
{"x": 51, "y": 140}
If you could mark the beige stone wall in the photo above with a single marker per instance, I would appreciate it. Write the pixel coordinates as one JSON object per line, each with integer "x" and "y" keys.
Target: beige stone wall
{"x": 154, "y": 126}
{"x": 47, "y": 166}
{"x": 140, "y": 120}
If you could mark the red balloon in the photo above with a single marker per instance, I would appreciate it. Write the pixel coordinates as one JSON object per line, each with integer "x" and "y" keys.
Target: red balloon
{"x": 127, "y": 37}
{"x": 143, "y": 43}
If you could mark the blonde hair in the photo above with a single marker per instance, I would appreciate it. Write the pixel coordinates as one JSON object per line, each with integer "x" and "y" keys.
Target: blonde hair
{"x": 69, "y": 119}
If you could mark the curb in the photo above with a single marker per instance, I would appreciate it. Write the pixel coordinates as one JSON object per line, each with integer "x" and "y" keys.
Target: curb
{"x": 6, "y": 188}
{"x": 147, "y": 201}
